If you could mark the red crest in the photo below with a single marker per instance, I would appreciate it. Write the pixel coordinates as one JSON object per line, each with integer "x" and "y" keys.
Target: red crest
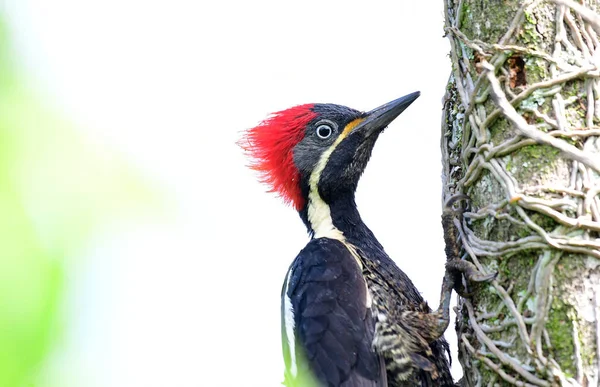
{"x": 270, "y": 146}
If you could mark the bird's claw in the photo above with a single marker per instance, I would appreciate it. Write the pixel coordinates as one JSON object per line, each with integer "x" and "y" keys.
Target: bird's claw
{"x": 469, "y": 270}
{"x": 449, "y": 205}
{"x": 456, "y": 268}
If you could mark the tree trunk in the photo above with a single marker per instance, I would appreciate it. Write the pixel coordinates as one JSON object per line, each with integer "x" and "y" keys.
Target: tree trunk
{"x": 521, "y": 138}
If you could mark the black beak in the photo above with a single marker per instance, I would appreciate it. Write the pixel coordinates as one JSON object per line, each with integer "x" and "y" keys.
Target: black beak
{"x": 379, "y": 118}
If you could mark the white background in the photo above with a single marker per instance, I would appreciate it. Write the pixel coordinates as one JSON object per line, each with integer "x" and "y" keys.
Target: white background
{"x": 193, "y": 299}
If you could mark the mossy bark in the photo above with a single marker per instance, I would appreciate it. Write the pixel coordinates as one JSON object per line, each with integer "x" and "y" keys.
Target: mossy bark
{"x": 542, "y": 312}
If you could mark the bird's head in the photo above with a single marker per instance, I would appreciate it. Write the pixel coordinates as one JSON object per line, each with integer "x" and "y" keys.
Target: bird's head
{"x": 318, "y": 148}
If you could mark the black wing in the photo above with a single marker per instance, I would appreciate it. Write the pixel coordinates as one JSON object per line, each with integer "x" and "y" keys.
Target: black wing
{"x": 326, "y": 321}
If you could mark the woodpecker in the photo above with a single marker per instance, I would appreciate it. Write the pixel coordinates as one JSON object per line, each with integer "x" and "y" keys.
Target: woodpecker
{"x": 350, "y": 316}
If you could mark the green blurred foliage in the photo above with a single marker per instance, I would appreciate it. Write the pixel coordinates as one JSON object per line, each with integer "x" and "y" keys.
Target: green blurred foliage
{"x": 56, "y": 189}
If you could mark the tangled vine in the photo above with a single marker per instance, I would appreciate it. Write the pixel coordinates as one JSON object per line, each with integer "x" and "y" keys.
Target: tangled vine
{"x": 521, "y": 138}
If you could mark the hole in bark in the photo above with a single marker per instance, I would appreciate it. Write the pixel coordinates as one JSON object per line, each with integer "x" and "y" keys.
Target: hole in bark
{"x": 477, "y": 62}
{"x": 530, "y": 118}
{"x": 516, "y": 68}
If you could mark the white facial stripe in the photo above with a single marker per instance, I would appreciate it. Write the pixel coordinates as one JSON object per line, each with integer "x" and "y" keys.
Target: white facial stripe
{"x": 290, "y": 325}
{"x": 319, "y": 213}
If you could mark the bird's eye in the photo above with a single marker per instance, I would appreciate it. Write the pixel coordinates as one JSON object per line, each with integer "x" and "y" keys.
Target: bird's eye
{"x": 324, "y": 131}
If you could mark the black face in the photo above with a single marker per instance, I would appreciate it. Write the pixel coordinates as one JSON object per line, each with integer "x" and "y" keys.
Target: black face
{"x": 346, "y": 162}
{"x": 335, "y": 163}
{"x": 320, "y": 135}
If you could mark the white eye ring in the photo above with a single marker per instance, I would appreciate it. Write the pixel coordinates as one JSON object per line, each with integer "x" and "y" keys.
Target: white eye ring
{"x": 324, "y": 131}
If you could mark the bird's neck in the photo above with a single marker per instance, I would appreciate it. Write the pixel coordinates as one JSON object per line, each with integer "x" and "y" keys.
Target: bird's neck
{"x": 337, "y": 219}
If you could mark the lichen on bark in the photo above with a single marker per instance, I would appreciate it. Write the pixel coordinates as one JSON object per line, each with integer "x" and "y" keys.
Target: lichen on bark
{"x": 520, "y": 138}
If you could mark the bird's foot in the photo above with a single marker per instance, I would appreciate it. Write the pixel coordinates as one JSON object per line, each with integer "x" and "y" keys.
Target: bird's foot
{"x": 457, "y": 267}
